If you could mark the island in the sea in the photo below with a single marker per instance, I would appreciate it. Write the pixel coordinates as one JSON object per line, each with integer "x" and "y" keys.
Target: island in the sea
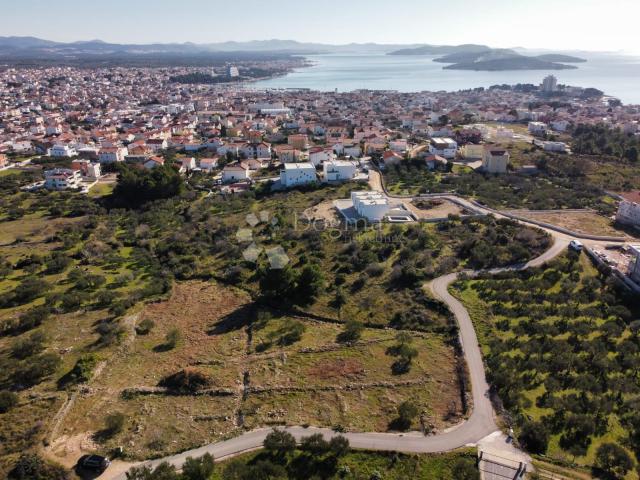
{"x": 483, "y": 58}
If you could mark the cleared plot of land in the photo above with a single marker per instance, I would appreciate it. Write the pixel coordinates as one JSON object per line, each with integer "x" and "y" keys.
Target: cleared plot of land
{"x": 429, "y": 209}
{"x": 586, "y": 222}
{"x": 369, "y": 409}
{"x": 258, "y": 380}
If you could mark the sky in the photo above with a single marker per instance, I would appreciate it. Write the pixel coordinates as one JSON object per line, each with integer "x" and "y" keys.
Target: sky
{"x": 551, "y": 24}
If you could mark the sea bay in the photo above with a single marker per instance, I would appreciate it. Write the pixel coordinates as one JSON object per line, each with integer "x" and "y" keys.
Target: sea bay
{"x": 616, "y": 75}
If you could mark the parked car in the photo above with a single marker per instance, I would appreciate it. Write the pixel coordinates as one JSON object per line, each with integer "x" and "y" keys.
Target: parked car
{"x": 95, "y": 463}
{"x": 576, "y": 245}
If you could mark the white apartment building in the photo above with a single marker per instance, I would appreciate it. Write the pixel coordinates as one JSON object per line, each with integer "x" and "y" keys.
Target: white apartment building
{"x": 62, "y": 151}
{"x": 537, "y": 128}
{"x": 549, "y": 84}
{"x": 445, "y": 147}
{"x": 62, "y": 179}
{"x": 338, "y": 170}
{"x": 371, "y": 205}
{"x": 629, "y": 213}
{"x": 293, "y": 174}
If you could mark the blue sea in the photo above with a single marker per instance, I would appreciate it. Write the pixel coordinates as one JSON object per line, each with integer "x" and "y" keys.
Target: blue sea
{"x": 616, "y": 75}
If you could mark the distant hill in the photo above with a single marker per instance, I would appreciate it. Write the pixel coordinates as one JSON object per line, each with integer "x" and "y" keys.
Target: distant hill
{"x": 557, "y": 57}
{"x": 490, "y": 54}
{"x": 479, "y": 57}
{"x": 511, "y": 63}
{"x": 442, "y": 50}
{"x": 34, "y": 51}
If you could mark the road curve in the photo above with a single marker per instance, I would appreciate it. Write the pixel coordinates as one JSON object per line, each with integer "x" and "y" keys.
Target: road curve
{"x": 479, "y": 424}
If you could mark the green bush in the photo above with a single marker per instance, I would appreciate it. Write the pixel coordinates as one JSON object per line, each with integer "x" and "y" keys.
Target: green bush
{"x": 8, "y": 400}
{"x": 188, "y": 380}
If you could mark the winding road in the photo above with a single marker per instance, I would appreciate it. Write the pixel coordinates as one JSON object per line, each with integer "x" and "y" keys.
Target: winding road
{"x": 480, "y": 424}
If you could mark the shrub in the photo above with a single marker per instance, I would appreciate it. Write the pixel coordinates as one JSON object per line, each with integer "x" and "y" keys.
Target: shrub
{"x": 613, "y": 459}
{"x": 36, "y": 369}
{"x": 535, "y": 437}
{"x": 339, "y": 446}
{"x": 279, "y": 443}
{"x": 351, "y": 333}
{"x": 314, "y": 444}
{"x": 198, "y": 468}
{"x": 27, "y": 347}
{"x": 114, "y": 423}
{"x": 32, "y": 467}
{"x": 171, "y": 339}
{"x": 407, "y": 412}
{"x": 465, "y": 469}
{"x": 374, "y": 270}
{"x": 8, "y": 400}
{"x": 145, "y": 326}
{"x": 188, "y": 380}
{"x": 82, "y": 370}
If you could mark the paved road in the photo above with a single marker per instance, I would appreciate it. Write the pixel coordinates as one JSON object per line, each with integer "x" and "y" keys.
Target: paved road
{"x": 480, "y": 424}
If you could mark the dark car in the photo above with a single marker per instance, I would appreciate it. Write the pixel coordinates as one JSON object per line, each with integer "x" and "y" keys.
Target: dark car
{"x": 95, "y": 463}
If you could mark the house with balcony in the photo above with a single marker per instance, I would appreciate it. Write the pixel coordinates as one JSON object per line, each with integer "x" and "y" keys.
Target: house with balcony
{"x": 62, "y": 179}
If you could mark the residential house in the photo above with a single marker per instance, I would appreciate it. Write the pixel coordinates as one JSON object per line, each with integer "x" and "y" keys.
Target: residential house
{"x": 87, "y": 169}
{"x": 287, "y": 153}
{"x": 157, "y": 144}
{"x": 629, "y": 210}
{"x": 537, "y": 128}
{"x": 154, "y": 162}
{"x": 319, "y": 155}
{"x": 188, "y": 163}
{"x": 445, "y": 147}
{"x": 209, "y": 164}
{"x": 338, "y": 170}
{"x": 472, "y": 152}
{"x": 299, "y": 141}
{"x": 436, "y": 162}
{"x": 371, "y": 205}
{"x": 391, "y": 158}
{"x": 62, "y": 179}
{"x": 62, "y": 151}
{"x": 352, "y": 150}
{"x": 399, "y": 145}
{"x": 495, "y": 161}
{"x": 235, "y": 172}
{"x": 293, "y": 174}
{"x": 112, "y": 154}
{"x": 555, "y": 147}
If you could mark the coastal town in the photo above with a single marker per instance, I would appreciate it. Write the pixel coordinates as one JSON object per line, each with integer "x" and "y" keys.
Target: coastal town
{"x": 151, "y": 194}
{"x": 238, "y": 135}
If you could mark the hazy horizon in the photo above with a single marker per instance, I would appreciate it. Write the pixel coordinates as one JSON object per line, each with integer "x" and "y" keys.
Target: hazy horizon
{"x": 572, "y": 25}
